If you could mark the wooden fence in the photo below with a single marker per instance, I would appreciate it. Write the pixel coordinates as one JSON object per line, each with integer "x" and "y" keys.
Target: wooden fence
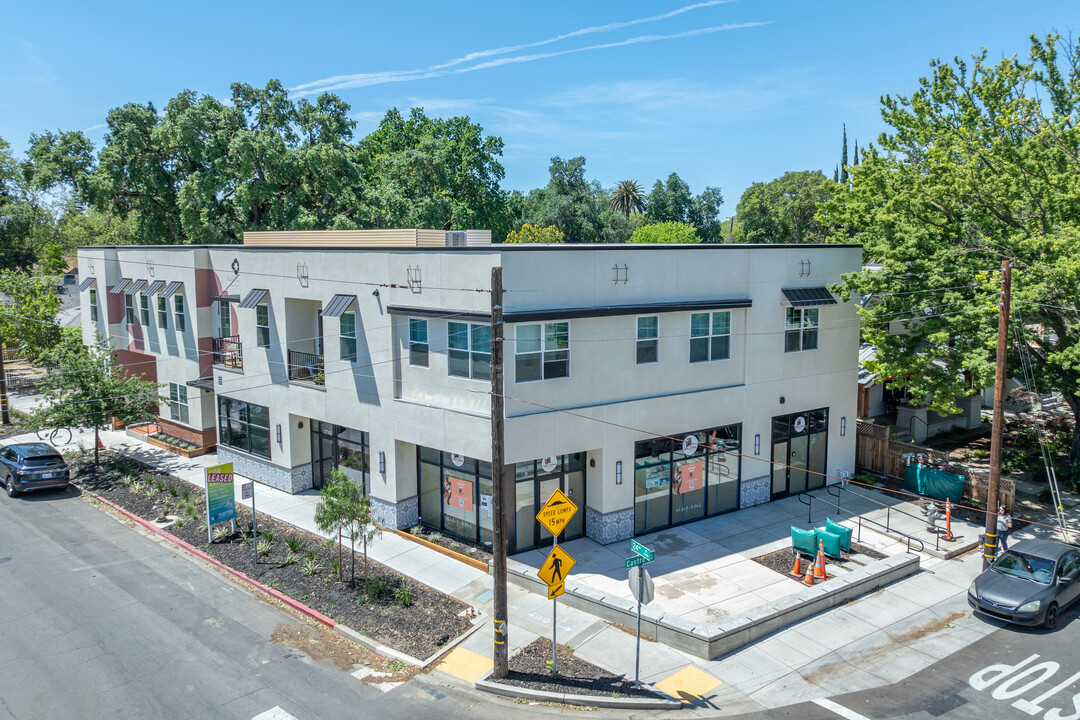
{"x": 876, "y": 453}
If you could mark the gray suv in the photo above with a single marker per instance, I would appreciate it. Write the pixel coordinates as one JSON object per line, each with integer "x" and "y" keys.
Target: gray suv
{"x": 32, "y": 466}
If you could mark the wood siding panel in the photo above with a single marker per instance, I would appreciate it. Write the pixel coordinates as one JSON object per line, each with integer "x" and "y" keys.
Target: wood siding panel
{"x": 407, "y": 237}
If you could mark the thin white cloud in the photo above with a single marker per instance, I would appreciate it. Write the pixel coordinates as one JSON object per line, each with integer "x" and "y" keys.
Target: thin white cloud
{"x": 369, "y": 79}
{"x": 577, "y": 33}
{"x": 92, "y": 128}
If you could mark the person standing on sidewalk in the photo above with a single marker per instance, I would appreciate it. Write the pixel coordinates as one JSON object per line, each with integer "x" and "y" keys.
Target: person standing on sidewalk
{"x": 1004, "y": 525}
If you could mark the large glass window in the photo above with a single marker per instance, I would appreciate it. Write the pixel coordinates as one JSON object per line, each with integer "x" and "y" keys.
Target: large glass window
{"x": 418, "y": 342}
{"x": 178, "y": 404}
{"x": 648, "y": 332}
{"x": 455, "y": 494}
{"x": 679, "y": 482}
{"x": 536, "y": 480}
{"x": 710, "y": 336}
{"x": 469, "y": 350}
{"x": 224, "y": 319}
{"x": 339, "y": 447}
{"x": 262, "y": 325}
{"x": 93, "y": 305}
{"x": 542, "y": 352}
{"x": 244, "y": 426}
{"x": 800, "y": 444}
{"x": 181, "y": 316}
{"x": 801, "y": 329}
{"x": 348, "y": 336}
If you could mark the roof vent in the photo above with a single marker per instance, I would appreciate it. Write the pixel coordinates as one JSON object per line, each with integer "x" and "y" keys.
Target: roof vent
{"x": 456, "y": 238}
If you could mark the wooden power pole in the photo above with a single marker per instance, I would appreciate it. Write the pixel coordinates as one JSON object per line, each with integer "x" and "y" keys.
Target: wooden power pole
{"x": 5, "y": 417}
{"x": 498, "y": 478}
{"x": 998, "y": 423}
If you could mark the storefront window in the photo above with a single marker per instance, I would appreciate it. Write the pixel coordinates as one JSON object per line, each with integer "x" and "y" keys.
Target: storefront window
{"x": 339, "y": 447}
{"x": 455, "y": 494}
{"x": 680, "y": 482}
{"x": 536, "y": 481}
{"x": 244, "y": 426}
{"x": 800, "y": 442}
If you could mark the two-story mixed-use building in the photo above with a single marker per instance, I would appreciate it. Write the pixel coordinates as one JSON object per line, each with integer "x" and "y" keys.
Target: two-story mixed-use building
{"x": 655, "y": 384}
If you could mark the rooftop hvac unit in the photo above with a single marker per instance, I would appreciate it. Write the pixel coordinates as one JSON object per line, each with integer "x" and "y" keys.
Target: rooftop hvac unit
{"x": 456, "y": 238}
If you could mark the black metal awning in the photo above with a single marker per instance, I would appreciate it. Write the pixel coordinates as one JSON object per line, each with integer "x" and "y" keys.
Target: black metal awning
{"x": 171, "y": 289}
{"x": 808, "y": 297}
{"x": 87, "y": 282}
{"x": 206, "y": 383}
{"x": 120, "y": 287}
{"x": 134, "y": 287}
{"x": 225, "y": 298}
{"x": 253, "y": 298}
{"x": 153, "y": 287}
{"x": 338, "y": 305}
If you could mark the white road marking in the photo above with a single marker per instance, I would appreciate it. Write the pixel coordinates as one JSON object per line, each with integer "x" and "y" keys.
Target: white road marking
{"x": 274, "y": 713}
{"x": 839, "y": 709}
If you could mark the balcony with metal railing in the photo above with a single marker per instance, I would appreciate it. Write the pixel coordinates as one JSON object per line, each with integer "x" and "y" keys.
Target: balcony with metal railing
{"x": 306, "y": 368}
{"x": 228, "y": 351}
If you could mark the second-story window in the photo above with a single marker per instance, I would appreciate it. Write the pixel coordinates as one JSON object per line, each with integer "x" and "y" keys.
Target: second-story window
{"x": 468, "y": 349}
{"x": 144, "y": 308}
{"x": 181, "y": 316}
{"x": 93, "y": 305}
{"x": 224, "y": 319}
{"x": 648, "y": 333}
{"x": 542, "y": 352}
{"x": 163, "y": 313}
{"x": 129, "y": 309}
{"x": 348, "y": 336}
{"x": 262, "y": 325}
{"x": 710, "y": 336}
{"x": 418, "y": 342}
{"x": 800, "y": 329}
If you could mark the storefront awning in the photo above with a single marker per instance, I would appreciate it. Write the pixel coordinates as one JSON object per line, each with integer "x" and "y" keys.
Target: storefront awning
{"x": 153, "y": 287}
{"x": 338, "y": 305}
{"x": 134, "y": 287}
{"x": 171, "y": 289}
{"x": 120, "y": 287}
{"x": 808, "y": 297}
{"x": 87, "y": 282}
{"x": 253, "y": 298}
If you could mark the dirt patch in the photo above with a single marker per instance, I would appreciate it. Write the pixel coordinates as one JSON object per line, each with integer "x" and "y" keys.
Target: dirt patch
{"x": 923, "y": 630}
{"x": 782, "y": 561}
{"x": 531, "y": 668}
{"x": 322, "y": 645}
{"x": 306, "y": 571}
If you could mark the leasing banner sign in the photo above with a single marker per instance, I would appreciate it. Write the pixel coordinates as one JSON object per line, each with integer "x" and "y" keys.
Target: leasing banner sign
{"x": 220, "y": 497}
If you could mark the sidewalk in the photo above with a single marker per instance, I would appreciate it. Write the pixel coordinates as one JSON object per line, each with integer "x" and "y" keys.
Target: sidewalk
{"x": 875, "y": 640}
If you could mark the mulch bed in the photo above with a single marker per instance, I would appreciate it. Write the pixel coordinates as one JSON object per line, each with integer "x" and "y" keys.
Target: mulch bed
{"x": 782, "y": 561}
{"x": 464, "y": 547}
{"x": 531, "y": 668}
{"x": 427, "y": 623}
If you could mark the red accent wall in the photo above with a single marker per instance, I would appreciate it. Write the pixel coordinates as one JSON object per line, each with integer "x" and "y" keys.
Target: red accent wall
{"x": 206, "y": 284}
{"x": 114, "y": 306}
{"x": 140, "y": 365}
{"x": 206, "y": 357}
{"x": 202, "y": 438}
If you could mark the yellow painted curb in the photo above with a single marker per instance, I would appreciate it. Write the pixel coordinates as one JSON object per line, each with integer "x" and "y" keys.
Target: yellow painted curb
{"x": 687, "y": 683}
{"x": 465, "y": 665}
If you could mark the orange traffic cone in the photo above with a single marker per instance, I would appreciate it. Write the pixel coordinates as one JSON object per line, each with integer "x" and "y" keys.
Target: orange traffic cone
{"x": 809, "y": 578}
{"x": 819, "y": 564}
{"x": 101, "y": 445}
{"x": 797, "y": 570}
{"x": 948, "y": 520}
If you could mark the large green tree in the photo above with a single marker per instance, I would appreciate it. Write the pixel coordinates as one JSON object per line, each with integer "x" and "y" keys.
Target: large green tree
{"x": 672, "y": 201}
{"x": 628, "y": 197}
{"x": 579, "y": 208}
{"x": 784, "y": 210}
{"x": 981, "y": 164}
{"x": 665, "y": 232}
{"x": 28, "y": 310}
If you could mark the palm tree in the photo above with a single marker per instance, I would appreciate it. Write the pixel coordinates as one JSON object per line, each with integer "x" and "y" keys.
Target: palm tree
{"x": 628, "y": 197}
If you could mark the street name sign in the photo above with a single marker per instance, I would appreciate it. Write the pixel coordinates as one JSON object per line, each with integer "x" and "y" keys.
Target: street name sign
{"x": 641, "y": 550}
{"x": 556, "y": 512}
{"x": 635, "y": 561}
{"x": 556, "y": 567}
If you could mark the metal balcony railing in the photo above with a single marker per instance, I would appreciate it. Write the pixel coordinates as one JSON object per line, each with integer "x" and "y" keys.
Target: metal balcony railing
{"x": 228, "y": 351}
{"x": 306, "y": 367}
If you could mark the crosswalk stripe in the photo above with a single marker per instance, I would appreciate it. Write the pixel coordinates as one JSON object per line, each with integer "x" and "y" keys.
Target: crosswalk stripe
{"x": 274, "y": 713}
{"x": 839, "y": 709}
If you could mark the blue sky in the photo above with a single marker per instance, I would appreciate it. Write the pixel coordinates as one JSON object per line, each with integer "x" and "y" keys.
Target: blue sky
{"x": 723, "y": 93}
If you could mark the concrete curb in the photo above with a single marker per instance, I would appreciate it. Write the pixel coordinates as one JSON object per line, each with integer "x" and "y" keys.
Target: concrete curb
{"x": 471, "y": 562}
{"x": 600, "y": 701}
{"x": 397, "y": 654}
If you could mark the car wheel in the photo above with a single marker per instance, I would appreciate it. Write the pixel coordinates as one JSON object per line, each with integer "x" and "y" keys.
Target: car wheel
{"x": 10, "y": 487}
{"x": 1051, "y": 620}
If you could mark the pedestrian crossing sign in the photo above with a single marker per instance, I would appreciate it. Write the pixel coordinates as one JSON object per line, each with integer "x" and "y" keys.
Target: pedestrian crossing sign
{"x": 556, "y": 567}
{"x": 556, "y": 590}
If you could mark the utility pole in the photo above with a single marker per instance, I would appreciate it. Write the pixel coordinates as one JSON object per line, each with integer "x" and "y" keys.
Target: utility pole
{"x": 998, "y": 422}
{"x": 498, "y": 478}
{"x": 5, "y": 418}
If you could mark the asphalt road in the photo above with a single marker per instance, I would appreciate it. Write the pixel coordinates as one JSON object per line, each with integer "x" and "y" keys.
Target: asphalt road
{"x": 99, "y": 620}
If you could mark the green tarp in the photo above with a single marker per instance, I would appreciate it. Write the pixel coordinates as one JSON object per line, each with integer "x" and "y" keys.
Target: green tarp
{"x": 933, "y": 482}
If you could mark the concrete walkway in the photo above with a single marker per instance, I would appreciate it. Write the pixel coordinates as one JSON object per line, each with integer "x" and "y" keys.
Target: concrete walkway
{"x": 876, "y": 640}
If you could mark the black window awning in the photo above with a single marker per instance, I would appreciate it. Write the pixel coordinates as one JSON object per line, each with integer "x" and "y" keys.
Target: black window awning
{"x": 253, "y": 298}
{"x": 206, "y": 384}
{"x": 153, "y": 287}
{"x": 171, "y": 289}
{"x": 225, "y": 298}
{"x": 134, "y": 287}
{"x": 808, "y": 297}
{"x": 120, "y": 287}
{"x": 338, "y": 305}
{"x": 87, "y": 282}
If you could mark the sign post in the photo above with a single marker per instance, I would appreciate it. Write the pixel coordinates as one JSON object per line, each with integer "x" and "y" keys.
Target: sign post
{"x": 641, "y": 585}
{"x": 220, "y": 498}
{"x": 554, "y": 516}
{"x": 248, "y": 491}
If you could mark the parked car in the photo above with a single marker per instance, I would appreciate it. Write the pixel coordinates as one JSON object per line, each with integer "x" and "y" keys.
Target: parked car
{"x": 1030, "y": 584}
{"x": 32, "y": 466}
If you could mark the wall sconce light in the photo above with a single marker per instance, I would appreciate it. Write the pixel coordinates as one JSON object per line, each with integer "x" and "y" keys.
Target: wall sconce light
{"x": 782, "y": 400}
{"x": 618, "y": 472}
{"x": 757, "y": 444}
{"x": 279, "y": 433}
{"x": 382, "y": 462}
{"x": 843, "y": 426}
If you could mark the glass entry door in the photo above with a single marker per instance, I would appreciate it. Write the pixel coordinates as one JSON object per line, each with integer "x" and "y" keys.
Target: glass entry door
{"x": 800, "y": 442}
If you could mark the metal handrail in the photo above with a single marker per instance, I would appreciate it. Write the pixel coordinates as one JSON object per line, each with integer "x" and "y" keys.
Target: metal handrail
{"x": 228, "y": 351}
{"x": 809, "y": 505}
{"x": 306, "y": 367}
{"x": 888, "y": 518}
{"x": 922, "y": 545}
{"x": 839, "y": 486}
